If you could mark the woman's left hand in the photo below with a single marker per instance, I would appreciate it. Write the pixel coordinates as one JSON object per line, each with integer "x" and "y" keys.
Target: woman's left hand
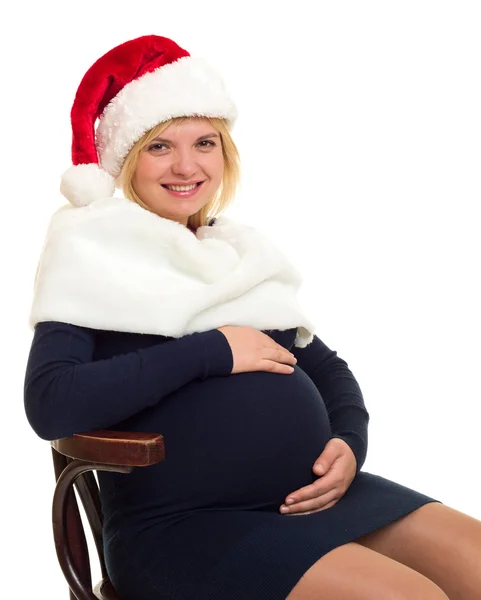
{"x": 336, "y": 467}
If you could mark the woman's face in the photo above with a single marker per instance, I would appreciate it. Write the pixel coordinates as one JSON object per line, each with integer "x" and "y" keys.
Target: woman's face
{"x": 188, "y": 155}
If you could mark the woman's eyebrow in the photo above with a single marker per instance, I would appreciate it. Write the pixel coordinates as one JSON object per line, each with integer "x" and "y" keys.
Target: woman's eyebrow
{"x": 199, "y": 139}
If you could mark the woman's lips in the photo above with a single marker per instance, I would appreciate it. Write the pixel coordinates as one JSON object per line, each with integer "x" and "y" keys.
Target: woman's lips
{"x": 184, "y": 194}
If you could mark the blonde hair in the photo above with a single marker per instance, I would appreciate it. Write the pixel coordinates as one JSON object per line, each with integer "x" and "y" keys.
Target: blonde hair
{"x": 230, "y": 179}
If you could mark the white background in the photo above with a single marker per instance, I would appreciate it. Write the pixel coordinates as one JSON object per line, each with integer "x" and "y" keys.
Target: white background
{"x": 360, "y": 134}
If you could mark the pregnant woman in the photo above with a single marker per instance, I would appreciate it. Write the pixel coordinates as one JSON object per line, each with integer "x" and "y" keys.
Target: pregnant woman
{"x": 155, "y": 312}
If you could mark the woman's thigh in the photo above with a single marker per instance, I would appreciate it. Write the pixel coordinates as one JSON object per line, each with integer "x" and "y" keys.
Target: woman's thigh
{"x": 354, "y": 572}
{"x": 438, "y": 541}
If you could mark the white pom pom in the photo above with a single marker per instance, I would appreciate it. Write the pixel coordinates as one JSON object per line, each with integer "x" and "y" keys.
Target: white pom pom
{"x": 83, "y": 184}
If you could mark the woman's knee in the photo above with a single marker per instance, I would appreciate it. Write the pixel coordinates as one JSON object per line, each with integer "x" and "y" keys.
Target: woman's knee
{"x": 354, "y": 572}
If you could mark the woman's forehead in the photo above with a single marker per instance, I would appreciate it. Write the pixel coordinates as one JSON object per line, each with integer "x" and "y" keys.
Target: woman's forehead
{"x": 191, "y": 127}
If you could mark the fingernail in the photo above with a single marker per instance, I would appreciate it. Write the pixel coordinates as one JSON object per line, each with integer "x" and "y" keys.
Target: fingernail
{"x": 284, "y": 509}
{"x": 290, "y": 501}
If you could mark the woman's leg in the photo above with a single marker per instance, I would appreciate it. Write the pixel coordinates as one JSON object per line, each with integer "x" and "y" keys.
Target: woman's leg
{"x": 438, "y": 541}
{"x": 354, "y": 572}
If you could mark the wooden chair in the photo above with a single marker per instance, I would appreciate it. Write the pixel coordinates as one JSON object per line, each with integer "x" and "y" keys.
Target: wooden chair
{"x": 75, "y": 458}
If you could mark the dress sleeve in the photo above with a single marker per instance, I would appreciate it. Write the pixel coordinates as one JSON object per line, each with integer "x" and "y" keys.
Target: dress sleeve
{"x": 66, "y": 391}
{"x": 341, "y": 394}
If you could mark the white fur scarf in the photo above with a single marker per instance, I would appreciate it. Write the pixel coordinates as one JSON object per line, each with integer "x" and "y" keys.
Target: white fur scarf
{"x": 115, "y": 266}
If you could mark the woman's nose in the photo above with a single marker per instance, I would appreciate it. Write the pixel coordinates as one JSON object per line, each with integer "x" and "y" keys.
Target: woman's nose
{"x": 184, "y": 164}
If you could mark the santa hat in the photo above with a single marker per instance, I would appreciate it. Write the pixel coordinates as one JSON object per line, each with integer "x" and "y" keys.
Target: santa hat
{"x": 130, "y": 89}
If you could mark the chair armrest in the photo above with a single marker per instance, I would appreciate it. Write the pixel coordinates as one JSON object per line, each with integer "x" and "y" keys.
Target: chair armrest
{"x": 136, "y": 449}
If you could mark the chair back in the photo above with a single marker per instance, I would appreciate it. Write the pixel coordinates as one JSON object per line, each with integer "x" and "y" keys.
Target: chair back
{"x": 74, "y": 459}
{"x": 69, "y": 534}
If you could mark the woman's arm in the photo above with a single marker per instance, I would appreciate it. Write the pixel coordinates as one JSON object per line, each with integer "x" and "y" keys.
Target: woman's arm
{"x": 341, "y": 394}
{"x": 67, "y": 392}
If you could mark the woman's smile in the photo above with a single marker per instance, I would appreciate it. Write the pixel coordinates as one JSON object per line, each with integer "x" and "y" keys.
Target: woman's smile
{"x": 182, "y": 191}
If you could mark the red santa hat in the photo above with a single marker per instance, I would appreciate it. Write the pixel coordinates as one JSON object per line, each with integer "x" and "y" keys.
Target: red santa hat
{"x": 130, "y": 89}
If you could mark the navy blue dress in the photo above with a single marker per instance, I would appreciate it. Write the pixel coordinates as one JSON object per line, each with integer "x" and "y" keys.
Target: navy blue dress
{"x": 204, "y": 524}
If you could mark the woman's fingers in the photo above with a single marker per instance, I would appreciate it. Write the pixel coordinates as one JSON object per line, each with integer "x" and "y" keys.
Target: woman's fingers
{"x": 312, "y": 505}
{"x": 321, "y": 486}
{"x": 309, "y": 512}
{"x": 311, "y": 496}
{"x": 253, "y": 350}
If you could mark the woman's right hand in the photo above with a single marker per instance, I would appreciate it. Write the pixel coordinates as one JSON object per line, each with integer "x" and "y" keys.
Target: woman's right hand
{"x": 255, "y": 351}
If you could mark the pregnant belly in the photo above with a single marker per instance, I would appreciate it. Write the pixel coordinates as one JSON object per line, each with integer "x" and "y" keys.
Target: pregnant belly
{"x": 243, "y": 441}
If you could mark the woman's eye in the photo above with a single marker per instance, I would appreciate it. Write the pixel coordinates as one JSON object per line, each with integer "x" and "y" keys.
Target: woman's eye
{"x": 157, "y": 146}
{"x": 160, "y": 146}
{"x": 207, "y": 143}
